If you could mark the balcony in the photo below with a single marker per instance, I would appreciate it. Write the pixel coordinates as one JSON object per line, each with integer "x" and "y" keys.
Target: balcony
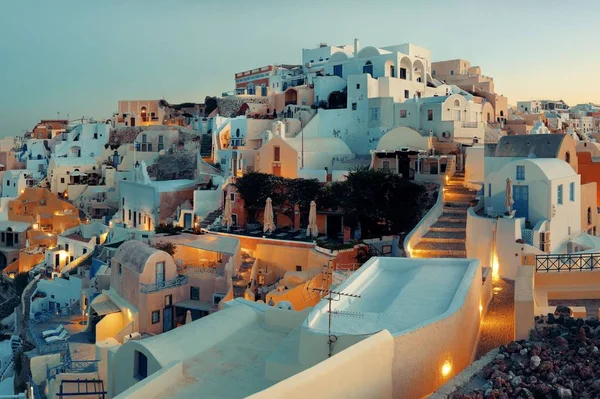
{"x": 469, "y": 124}
{"x": 176, "y": 282}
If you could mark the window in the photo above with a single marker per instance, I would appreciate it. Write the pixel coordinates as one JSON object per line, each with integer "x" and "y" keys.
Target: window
{"x": 589, "y": 216}
{"x": 368, "y": 68}
{"x": 161, "y": 144}
{"x": 232, "y": 197}
{"x": 392, "y": 71}
{"x": 386, "y": 164}
{"x": 489, "y": 189}
{"x": 16, "y": 238}
{"x": 338, "y": 70}
{"x": 160, "y": 272}
{"x": 403, "y": 73}
{"x": 67, "y": 247}
{"x": 143, "y": 138}
{"x": 168, "y": 300}
{"x": 560, "y": 194}
{"x": 2, "y": 236}
{"x": 358, "y": 85}
{"x": 572, "y": 192}
{"x": 141, "y": 365}
{"x": 406, "y": 94}
{"x": 374, "y": 115}
{"x": 354, "y": 106}
{"x": 298, "y": 268}
{"x": 195, "y": 293}
{"x": 155, "y": 316}
{"x": 123, "y": 201}
{"x": 62, "y": 179}
{"x": 120, "y": 269}
{"x": 429, "y": 114}
{"x": 8, "y": 183}
{"x": 84, "y": 251}
{"x": 402, "y": 113}
{"x": 568, "y": 157}
{"x": 452, "y": 72}
{"x": 520, "y": 172}
{"x": 130, "y": 215}
{"x": 276, "y": 153}
{"x": 433, "y": 73}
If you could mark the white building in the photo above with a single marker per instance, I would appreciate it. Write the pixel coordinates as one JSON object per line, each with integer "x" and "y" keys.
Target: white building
{"x": 65, "y": 171}
{"x": 84, "y": 140}
{"x": 529, "y": 107}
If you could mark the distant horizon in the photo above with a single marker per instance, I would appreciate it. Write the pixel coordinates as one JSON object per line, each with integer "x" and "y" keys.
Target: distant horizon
{"x": 92, "y": 55}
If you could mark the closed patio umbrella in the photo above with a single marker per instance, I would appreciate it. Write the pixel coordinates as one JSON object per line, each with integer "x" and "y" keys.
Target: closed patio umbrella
{"x": 188, "y": 317}
{"x": 268, "y": 224}
{"x": 227, "y": 219}
{"x": 312, "y": 229}
{"x": 508, "y": 201}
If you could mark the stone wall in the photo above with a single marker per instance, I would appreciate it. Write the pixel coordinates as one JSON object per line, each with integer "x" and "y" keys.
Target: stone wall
{"x": 229, "y": 106}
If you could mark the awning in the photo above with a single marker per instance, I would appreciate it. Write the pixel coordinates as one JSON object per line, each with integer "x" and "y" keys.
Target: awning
{"x": 105, "y": 307}
{"x": 195, "y": 305}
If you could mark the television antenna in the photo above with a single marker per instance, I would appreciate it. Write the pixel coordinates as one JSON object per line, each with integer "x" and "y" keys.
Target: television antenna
{"x": 336, "y": 296}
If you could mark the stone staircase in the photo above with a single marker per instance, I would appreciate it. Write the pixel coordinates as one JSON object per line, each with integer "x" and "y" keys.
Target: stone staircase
{"x": 446, "y": 237}
{"x": 210, "y": 218}
{"x": 239, "y": 285}
{"x": 206, "y": 146}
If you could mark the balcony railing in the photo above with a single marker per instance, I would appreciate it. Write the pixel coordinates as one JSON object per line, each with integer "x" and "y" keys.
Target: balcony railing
{"x": 176, "y": 282}
{"x": 74, "y": 366}
{"x": 468, "y": 124}
{"x": 567, "y": 262}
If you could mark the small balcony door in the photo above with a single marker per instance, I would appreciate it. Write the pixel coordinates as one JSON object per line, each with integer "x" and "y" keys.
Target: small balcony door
{"x": 277, "y": 170}
{"x": 521, "y": 204}
{"x": 160, "y": 272}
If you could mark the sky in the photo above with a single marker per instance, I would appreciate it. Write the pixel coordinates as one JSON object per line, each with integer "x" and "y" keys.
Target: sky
{"x": 80, "y": 57}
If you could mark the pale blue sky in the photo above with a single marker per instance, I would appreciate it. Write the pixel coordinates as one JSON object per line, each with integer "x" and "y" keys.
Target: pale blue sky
{"x": 79, "y": 57}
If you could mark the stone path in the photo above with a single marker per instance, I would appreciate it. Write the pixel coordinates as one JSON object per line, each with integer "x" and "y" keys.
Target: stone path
{"x": 497, "y": 326}
{"x": 446, "y": 237}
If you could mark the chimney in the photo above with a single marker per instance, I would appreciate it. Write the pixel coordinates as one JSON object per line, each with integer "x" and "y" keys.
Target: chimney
{"x": 356, "y": 47}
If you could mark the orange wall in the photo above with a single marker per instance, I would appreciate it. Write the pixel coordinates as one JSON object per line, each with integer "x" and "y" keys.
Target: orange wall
{"x": 589, "y": 170}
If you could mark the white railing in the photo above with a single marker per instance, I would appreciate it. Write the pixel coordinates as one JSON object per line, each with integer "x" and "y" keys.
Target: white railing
{"x": 413, "y": 238}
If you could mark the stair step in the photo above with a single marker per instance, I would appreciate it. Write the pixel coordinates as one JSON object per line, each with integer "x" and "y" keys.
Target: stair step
{"x": 453, "y": 217}
{"x": 443, "y": 226}
{"x": 455, "y": 210}
{"x": 444, "y": 237}
{"x": 458, "y": 204}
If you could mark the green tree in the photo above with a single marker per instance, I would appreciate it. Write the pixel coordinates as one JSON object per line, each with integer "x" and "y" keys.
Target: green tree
{"x": 21, "y": 280}
{"x": 255, "y": 187}
{"x": 168, "y": 247}
{"x": 210, "y": 105}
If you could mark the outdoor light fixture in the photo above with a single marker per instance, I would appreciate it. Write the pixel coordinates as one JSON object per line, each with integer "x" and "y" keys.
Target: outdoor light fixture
{"x": 446, "y": 368}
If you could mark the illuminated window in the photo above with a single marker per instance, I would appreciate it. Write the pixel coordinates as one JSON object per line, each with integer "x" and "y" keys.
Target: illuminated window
{"x": 155, "y": 316}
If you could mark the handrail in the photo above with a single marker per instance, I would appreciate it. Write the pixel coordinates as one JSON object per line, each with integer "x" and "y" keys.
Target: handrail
{"x": 50, "y": 313}
{"x": 73, "y": 366}
{"x": 567, "y": 262}
{"x": 176, "y": 282}
{"x": 127, "y": 330}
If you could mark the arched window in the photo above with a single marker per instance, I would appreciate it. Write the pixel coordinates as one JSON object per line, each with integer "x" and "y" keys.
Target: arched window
{"x": 237, "y": 133}
{"x": 589, "y": 216}
{"x": 368, "y": 68}
{"x": 144, "y": 113}
{"x": 568, "y": 157}
{"x": 501, "y": 113}
{"x": 457, "y": 103}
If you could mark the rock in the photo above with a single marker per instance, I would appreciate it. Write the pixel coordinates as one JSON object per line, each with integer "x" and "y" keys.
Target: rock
{"x": 561, "y": 341}
{"x": 534, "y": 362}
{"x": 586, "y": 373}
{"x": 581, "y": 351}
{"x": 545, "y": 366}
{"x": 516, "y": 381}
{"x": 551, "y": 318}
{"x": 523, "y": 352}
{"x": 499, "y": 357}
{"x": 525, "y": 393}
{"x": 581, "y": 336}
{"x": 513, "y": 347}
{"x": 564, "y": 393}
{"x": 536, "y": 349}
{"x": 564, "y": 311}
{"x": 592, "y": 322}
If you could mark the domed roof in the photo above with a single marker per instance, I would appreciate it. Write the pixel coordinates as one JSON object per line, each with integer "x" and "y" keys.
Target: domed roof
{"x": 402, "y": 137}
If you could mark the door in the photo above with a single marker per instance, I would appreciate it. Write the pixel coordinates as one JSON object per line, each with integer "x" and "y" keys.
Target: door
{"x": 277, "y": 170}
{"x": 134, "y": 219}
{"x": 132, "y": 122}
{"x": 187, "y": 220}
{"x": 521, "y": 198}
{"x": 334, "y": 226}
{"x": 56, "y": 260}
{"x": 167, "y": 319}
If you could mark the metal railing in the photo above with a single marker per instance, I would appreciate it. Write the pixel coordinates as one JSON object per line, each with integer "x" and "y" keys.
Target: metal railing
{"x": 567, "y": 262}
{"x": 468, "y": 124}
{"x": 49, "y": 314}
{"x": 74, "y": 366}
{"x": 176, "y": 282}
{"x": 203, "y": 270}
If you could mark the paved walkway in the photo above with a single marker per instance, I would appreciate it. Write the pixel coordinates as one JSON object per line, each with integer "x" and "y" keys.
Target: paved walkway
{"x": 497, "y": 327}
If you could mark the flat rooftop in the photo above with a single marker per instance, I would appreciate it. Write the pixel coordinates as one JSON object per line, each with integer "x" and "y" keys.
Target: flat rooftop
{"x": 233, "y": 368}
{"x": 397, "y": 294}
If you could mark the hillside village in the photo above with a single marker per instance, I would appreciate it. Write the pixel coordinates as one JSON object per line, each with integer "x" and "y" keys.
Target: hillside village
{"x": 367, "y": 223}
